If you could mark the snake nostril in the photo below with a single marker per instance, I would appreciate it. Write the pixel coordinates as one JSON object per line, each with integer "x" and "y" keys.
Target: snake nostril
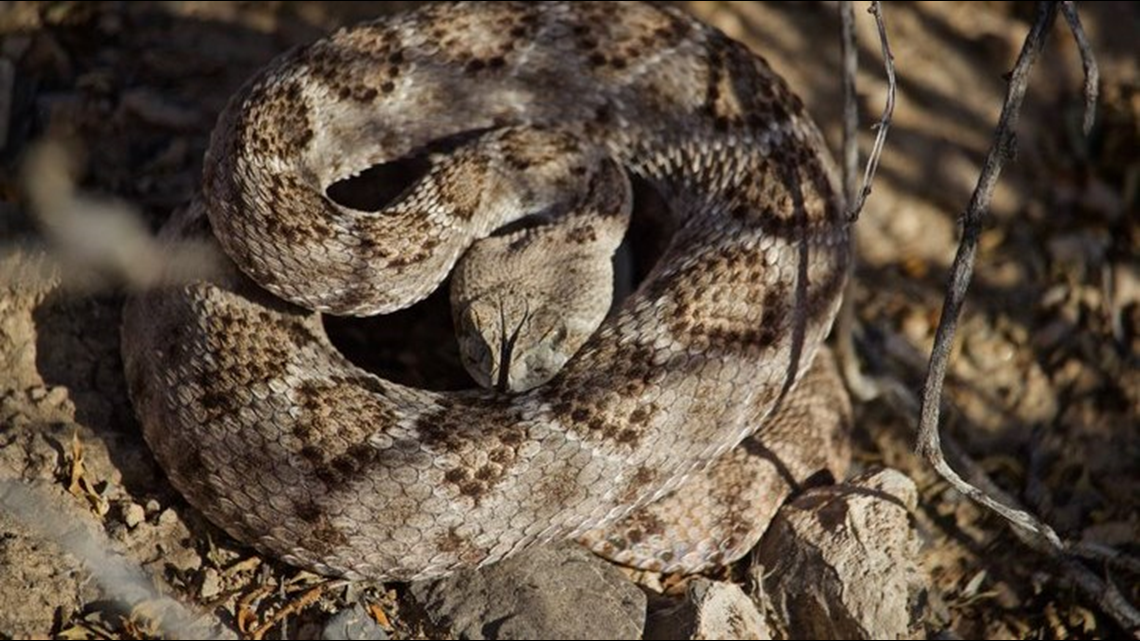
{"x": 376, "y": 187}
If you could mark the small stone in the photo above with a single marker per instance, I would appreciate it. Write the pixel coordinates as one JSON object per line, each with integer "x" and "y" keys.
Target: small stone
{"x": 152, "y": 507}
{"x": 353, "y": 624}
{"x": 168, "y": 518}
{"x": 134, "y": 514}
{"x": 56, "y": 396}
{"x": 211, "y": 584}
{"x": 710, "y": 610}
{"x": 549, "y": 592}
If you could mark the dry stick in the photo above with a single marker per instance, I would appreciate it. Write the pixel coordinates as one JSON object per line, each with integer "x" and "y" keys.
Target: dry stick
{"x": 1035, "y": 533}
{"x": 863, "y": 387}
{"x": 850, "y": 54}
{"x": 1088, "y": 61}
{"x": 884, "y": 120}
{"x": 1030, "y": 529}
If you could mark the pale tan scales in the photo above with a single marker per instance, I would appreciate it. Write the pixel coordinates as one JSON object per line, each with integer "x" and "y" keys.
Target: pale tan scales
{"x": 277, "y": 438}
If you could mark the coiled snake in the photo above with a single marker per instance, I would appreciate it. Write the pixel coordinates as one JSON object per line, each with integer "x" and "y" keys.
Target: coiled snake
{"x": 288, "y": 446}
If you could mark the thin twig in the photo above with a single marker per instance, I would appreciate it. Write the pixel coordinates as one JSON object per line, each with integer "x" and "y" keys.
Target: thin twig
{"x": 1028, "y": 527}
{"x": 863, "y": 387}
{"x": 1088, "y": 61}
{"x": 860, "y": 385}
{"x": 884, "y": 121}
{"x": 850, "y": 54}
{"x": 305, "y": 600}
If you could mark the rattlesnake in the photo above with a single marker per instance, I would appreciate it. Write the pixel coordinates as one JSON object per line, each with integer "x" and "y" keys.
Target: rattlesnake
{"x": 273, "y": 434}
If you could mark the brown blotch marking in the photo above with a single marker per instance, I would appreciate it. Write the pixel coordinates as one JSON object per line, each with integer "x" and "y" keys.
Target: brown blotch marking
{"x": 648, "y": 523}
{"x": 354, "y": 297}
{"x": 825, "y": 292}
{"x": 295, "y": 230}
{"x": 637, "y": 483}
{"x": 336, "y": 64}
{"x": 358, "y": 458}
{"x": 777, "y": 308}
{"x": 700, "y": 318}
{"x": 325, "y": 538}
{"x": 504, "y": 456}
{"x": 449, "y": 428}
{"x": 336, "y": 418}
{"x": 582, "y": 235}
{"x": 628, "y": 436}
{"x": 488, "y": 473}
{"x": 257, "y": 352}
{"x": 473, "y": 489}
{"x": 642, "y": 414}
{"x": 557, "y": 488}
{"x": 309, "y": 511}
{"x": 277, "y": 121}
{"x": 188, "y": 465}
{"x": 409, "y": 259}
{"x": 592, "y": 418}
{"x": 462, "y": 547}
{"x": 673, "y": 32}
{"x": 218, "y": 404}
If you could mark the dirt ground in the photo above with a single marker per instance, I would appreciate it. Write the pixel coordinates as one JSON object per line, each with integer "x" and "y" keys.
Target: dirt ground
{"x": 1044, "y": 386}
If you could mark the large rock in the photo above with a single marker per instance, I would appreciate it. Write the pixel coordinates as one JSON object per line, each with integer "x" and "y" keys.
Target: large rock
{"x": 556, "y": 592}
{"x": 840, "y": 562}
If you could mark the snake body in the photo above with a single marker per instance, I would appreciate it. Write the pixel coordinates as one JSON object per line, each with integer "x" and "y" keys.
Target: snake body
{"x": 276, "y": 437}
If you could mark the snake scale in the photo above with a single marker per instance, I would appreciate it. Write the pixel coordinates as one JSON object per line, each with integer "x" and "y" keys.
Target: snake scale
{"x": 516, "y": 108}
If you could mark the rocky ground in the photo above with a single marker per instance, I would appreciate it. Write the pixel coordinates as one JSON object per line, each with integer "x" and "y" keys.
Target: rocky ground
{"x": 1043, "y": 391}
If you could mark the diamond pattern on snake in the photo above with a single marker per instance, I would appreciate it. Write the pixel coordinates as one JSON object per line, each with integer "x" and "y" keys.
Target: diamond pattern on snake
{"x": 663, "y": 433}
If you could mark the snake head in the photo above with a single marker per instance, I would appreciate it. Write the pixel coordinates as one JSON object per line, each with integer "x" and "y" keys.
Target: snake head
{"x": 507, "y": 344}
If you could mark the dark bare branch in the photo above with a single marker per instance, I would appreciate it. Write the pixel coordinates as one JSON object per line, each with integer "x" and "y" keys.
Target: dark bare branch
{"x": 1088, "y": 61}
{"x": 1037, "y": 534}
{"x": 850, "y": 54}
{"x": 860, "y": 385}
{"x": 884, "y": 123}
{"x": 1029, "y": 528}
